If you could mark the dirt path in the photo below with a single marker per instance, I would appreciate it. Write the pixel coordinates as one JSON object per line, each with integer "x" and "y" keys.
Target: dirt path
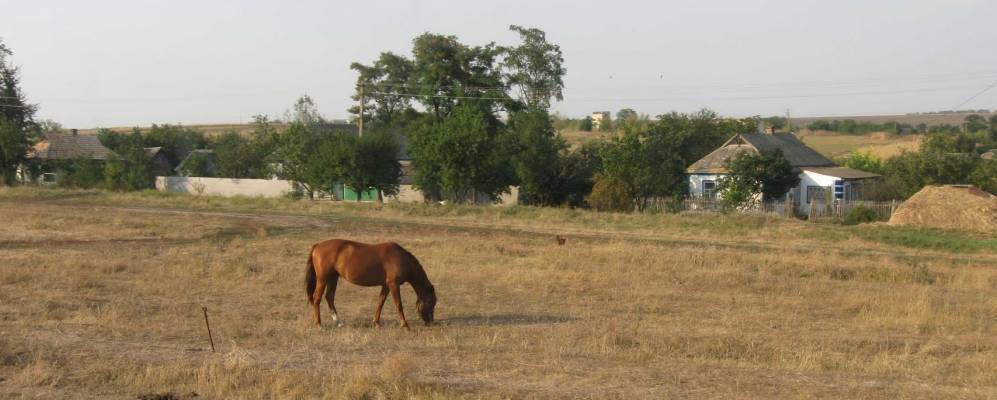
{"x": 305, "y": 221}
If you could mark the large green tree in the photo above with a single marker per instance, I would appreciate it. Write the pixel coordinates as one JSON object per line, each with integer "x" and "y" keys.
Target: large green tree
{"x": 17, "y": 126}
{"x": 462, "y": 156}
{"x": 535, "y": 67}
{"x": 387, "y": 89}
{"x": 537, "y": 157}
{"x": 767, "y": 173}
{"x": 975, "y": 123}
{"x": 372, "y": 163}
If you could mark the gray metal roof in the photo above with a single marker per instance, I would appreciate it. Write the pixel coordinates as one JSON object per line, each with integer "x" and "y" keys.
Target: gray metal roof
{"x": 842, "y": 172}
{"x": 67, "y": 146}
{"x": 797, "y": 153}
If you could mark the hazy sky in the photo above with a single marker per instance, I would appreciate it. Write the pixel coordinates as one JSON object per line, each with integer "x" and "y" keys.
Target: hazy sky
{"x": 122, "y": 63}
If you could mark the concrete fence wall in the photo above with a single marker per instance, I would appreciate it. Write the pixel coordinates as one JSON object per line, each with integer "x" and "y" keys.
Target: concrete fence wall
{"x": 224, "y": 186}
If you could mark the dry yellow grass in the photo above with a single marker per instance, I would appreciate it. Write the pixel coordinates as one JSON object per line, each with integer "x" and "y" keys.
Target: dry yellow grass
{"x": 879, "y": 144}
{"x": 100, "y": 297}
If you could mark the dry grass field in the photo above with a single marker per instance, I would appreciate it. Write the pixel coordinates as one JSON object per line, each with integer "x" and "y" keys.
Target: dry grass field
{"x": 101, "y": 296}
{"x": 913, "y": 119}
{"x": 879, "y": 144}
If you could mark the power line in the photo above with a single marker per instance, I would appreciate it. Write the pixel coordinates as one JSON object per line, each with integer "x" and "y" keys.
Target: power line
{"x": 975, "y": 96}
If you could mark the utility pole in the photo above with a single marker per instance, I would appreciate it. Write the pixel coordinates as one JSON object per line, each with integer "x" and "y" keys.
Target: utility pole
{"x": 362, "y": 101}
{"x": 789, "y": 123}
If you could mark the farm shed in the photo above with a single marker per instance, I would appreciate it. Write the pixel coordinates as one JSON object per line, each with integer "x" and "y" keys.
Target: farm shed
{"x": 161, "y": 164}
{"x": 820, "y": 179}
{"x": 50, "y": 155}
{"x": 201, "y": 162}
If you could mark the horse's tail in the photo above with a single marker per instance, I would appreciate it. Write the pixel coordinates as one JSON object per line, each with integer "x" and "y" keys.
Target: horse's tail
{"x": 310, "y": 277}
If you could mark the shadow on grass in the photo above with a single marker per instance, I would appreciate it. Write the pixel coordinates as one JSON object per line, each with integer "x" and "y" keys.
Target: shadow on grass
{"x": 504, "y": 319}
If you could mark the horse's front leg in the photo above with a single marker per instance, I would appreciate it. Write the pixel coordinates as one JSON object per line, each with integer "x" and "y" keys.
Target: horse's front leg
{"x": 380, "y": 305}
{"x": 330, "y": 296}
{"x": 397, "y": 297}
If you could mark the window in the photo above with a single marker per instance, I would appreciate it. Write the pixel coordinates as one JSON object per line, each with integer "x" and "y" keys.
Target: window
{"x": 839, "y": 190}
{"x": 817, "y": 194}
{"x": 709, "y": 189}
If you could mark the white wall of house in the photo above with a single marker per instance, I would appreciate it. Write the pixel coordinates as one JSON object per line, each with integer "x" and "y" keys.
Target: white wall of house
{"x": 696, "y": 183}
{"x": 226, "y": 187}
{"x": 813, "y": 179}
{"x": 409, "y": 194}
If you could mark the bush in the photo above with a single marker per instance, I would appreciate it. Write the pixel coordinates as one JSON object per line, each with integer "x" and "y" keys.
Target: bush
{"x": 610, "y": 194}
{"x": 861, "y": 214}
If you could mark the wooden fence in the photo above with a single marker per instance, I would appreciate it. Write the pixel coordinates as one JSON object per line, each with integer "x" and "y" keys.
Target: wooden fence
{"x": 815, "y": 212}
{"x": 836, "y": 212}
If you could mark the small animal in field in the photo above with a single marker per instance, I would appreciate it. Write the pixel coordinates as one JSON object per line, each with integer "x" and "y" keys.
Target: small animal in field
{"x": 561, "y": 240}
{"x": 387, "y": 265}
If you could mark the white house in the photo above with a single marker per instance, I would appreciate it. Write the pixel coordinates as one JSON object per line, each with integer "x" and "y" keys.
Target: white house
{"x": 821, "y": 181}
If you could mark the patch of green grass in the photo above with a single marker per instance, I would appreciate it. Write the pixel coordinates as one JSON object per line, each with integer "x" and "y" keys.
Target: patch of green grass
{"x": 931, "y": 239}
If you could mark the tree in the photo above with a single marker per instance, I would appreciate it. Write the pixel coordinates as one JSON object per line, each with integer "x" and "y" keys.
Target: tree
{"x": 993, "y": 128}
{"x": 235, "y": 157}
{"x": 293, "y": 153}
{"x": 864, "y": 161}
{"x": 537, "y": 157}
{"x": 626, "y": 114}
{"x": 128, "y": 170}
{"x": 975, "y": 123}
{"x": 585, "y": 124}
{"x": 536, "y": 68}
{"x": 48, "y": 125}
{"x": 767, "y": 173}
{"x": 606, "y": 124}
{"x": 304, "y": 111}
{"x": 985, "y": 175}
{"x": 387, "y": 90}
{"x": 372, "y": 163}
{"x": 17, "y": 125}
{"x": 462, "y": 155}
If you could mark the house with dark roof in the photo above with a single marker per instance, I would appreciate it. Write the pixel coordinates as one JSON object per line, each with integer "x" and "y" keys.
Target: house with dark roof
{"x": 50, "y": 156}
{"x": 821, "y": 180}
{"x": 69, "y": 146}
{"x": 160, "y": 162}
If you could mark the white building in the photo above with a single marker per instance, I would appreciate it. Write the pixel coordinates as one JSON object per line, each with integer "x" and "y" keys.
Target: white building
{"x": 597, "y": 118}
{"x": 821, "y": 181}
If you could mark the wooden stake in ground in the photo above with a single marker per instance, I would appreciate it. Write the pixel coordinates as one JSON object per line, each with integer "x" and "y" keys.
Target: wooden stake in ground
{"x": 210, "y": 339}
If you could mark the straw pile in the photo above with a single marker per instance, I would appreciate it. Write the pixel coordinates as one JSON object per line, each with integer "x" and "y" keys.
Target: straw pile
{"x": 960, "y": 207}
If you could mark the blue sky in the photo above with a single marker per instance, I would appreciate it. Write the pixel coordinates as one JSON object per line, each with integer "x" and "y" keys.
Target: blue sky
{"x": 123, "y": 63}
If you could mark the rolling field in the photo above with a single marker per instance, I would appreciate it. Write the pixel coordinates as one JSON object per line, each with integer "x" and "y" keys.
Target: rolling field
{"x": 913, "y": 119}
{"x": 880, "y": 144}
{"x": 101, "y": 296}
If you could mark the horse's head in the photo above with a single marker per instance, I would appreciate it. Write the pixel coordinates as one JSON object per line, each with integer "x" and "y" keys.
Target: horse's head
{"x": 426, "y": 304}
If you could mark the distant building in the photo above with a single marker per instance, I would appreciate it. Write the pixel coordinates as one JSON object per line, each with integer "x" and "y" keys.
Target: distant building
{"x": 49, "y": 157}
{"x": 821, "y": 181}
{"x": 597, "y": 118}
{"x": 161, "y": 164}
{"x": 989, "y": 155}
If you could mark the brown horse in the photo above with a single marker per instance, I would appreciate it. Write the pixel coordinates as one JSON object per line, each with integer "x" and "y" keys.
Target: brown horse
{"x": 387, "y": 265}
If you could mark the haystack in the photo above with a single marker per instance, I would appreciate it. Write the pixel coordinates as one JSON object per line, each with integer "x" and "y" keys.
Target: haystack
{"x": 960, "y": 207}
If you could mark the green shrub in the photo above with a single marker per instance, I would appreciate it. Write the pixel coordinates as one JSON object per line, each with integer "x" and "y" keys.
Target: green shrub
{"x": 610, "y": 194}
{"x": 861, "y": 214}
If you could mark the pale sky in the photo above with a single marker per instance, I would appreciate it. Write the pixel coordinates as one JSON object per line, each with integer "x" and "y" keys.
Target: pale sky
{"x": 125, "y": 63}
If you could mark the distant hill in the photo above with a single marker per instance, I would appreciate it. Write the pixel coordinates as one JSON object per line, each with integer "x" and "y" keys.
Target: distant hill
{"x": 913, "y": 119}
{"x": 208, "y": 129}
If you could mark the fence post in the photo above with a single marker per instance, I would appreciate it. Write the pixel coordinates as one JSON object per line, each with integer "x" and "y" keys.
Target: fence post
{"x": 813, "y": 212}
{"x": 893, "y": 207}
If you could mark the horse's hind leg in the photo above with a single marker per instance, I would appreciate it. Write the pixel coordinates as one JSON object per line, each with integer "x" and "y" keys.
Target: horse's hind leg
{"x": 330, "y": 296}
{"x": 317, "y": 300}
{"x": 380, "y": 305}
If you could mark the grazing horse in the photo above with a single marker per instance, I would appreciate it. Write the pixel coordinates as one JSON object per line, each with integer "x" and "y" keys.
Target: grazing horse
{"x": 387, "y": 265}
